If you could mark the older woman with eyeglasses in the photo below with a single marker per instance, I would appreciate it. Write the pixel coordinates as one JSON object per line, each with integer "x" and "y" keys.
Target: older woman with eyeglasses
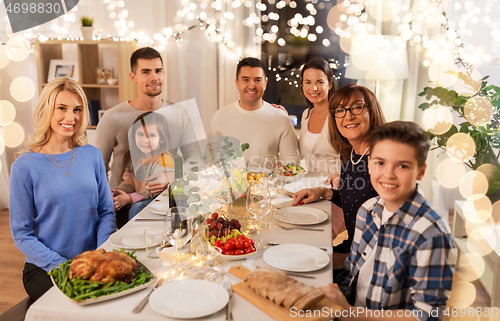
{"x": 357, "y": 114}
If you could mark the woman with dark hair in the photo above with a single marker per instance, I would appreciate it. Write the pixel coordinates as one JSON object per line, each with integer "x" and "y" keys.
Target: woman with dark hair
{"x": 317, "y": 87}
{"x": 148, "y": 157}
{"x": 356, "y": 113}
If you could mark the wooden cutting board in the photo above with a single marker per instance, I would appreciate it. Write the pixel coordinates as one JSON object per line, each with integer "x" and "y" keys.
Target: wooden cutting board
{"x": 279, "y": 312}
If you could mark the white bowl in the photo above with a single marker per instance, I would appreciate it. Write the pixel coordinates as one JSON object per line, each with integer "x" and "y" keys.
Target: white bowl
{"x": 291, "y": 179}
{"x": 112, "y": 81}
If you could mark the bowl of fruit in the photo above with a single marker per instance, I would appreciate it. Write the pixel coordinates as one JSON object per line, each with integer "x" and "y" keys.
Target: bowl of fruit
{"x": 225, "y": 236}
{"x": 290, "y": 172}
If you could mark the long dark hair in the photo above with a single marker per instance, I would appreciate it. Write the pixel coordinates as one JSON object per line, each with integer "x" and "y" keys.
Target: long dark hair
{"x": 341, "y": 98}
{"x": 320, "y": 64}
{"x": 145, "y": 119}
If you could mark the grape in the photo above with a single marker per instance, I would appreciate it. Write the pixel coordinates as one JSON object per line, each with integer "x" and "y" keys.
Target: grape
{"x": 226, "y": 223}
{"x": 215, "y": 216}
{"x": 213, "y": 225}
{"x": 233, "y": 222}
{"x": 238, "y": 226}
{"x": 219, "y": 226}
{"x": 213, "y": 233}
{"x": 220, "y": 220}
{"x": 225, "y": 231}
{"x": 208, "y": 221}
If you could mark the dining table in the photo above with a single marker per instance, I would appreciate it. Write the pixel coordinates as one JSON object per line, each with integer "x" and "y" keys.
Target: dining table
{"x": 55, "y": 306}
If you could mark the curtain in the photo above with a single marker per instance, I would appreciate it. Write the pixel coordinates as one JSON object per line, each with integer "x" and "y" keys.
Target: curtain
{"x": 200, "y": 69}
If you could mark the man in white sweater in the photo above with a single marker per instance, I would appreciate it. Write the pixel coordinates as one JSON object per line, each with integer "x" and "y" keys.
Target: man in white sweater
{"x": 251, "y": 120}
{"x": 112, "y": 131}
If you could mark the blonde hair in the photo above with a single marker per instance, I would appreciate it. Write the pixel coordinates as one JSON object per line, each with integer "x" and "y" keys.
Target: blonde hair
{"x": 45, "y": 109}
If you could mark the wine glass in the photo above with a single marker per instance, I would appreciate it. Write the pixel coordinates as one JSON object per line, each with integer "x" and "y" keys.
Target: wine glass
{"x": 269, "y": 164}
{"x": 258, "y": 205}
{"x": 178, "y": 230}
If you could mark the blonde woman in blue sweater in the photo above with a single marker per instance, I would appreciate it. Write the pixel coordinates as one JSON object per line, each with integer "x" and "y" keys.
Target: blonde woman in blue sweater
{"x": 60, "y": 200}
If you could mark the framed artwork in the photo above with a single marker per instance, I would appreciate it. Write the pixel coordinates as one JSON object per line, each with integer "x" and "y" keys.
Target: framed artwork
{"x": 63, "y": 68}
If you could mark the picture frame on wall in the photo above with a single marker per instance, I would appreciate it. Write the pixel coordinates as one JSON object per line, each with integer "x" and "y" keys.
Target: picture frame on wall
{"x": 62, "y": 68}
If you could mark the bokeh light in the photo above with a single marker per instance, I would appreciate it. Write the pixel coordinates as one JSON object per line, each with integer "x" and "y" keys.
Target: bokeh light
{"x": 382, "y": 11}
{"x": 437, "y": 119}
{"x": 461, "y": 147}
{"x": 495, "y": 214}
{"x": 468, "y": 86}
{"x": 443, "y": 72}
{"x": 385, "y": 72}
{"x": 492, "y": 173}
{"x": 478, "y": 111}
{"x": 449, "y": 172}
{"x": 13, "y": 135}
{"x": 477, "y": 209}
{"x": 2, "y": 146}
{"x": 473, "y": 267}
{"x": 473, "y": 183}
{"x": 22, "y": 89}
{"x": 19, "y": 49}
{"x": 4, "y": 59}
{"x": 482, "y": 242}
{"x": 7, "y": 112}
{"x": 463, "y": 294}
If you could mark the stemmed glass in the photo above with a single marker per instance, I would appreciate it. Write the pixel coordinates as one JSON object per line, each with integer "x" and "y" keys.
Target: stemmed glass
{"x": 178, "y": 230}
{"x": 258, "y": 205}
{"x": 269, "y": 164}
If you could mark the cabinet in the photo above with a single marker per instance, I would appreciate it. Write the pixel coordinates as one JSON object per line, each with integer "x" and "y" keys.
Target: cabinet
{"x": 91, "y": 55}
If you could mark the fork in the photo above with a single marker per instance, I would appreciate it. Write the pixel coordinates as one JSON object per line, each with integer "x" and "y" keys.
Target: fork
{"x": 300, "y": 228}
{"x": 143, "y": 303}
{"x": 229, "y": 288}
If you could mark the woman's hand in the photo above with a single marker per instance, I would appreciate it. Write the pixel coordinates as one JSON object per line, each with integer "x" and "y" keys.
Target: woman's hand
{"x": 333, "y": 180}
{"x": 120, "y": 199}
{"x": 334, "y": 294}
{"x": 280, "y": 107}
{"x": 309, "y": 195}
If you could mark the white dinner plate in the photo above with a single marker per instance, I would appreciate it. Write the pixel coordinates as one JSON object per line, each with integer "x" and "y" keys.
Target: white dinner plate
{"x": 296, "y": 257}
{"x": 301, "y": 215}
{"x": 129, "y": 238}
{"x": 307, "y": 182}
{"x": 188, "y": 299}
{"x": 159, "y": 207}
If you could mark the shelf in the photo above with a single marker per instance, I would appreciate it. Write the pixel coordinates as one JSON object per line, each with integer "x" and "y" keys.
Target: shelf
{"x": 98, "y": 86}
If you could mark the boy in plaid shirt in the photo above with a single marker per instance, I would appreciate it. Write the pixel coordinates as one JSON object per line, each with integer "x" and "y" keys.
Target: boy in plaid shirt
{"x": 403, "y": 255}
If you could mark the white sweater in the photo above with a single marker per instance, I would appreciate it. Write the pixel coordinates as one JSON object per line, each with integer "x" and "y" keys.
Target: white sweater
{"x": 320, "y": 158}
{"x": 268, "y": 130}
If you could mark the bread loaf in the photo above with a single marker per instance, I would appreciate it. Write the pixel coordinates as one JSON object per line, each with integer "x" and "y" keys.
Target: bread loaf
{"x": 281, "y": 289}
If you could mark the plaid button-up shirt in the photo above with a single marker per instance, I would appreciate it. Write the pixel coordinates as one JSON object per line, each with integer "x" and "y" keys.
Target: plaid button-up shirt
{"x": 414, "y": 259}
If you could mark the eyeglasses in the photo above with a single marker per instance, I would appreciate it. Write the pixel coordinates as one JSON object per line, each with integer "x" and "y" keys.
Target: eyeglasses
{"x": 356, "y": 109}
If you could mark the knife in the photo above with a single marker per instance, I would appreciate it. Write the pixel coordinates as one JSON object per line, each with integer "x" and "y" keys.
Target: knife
{"x": 274, "y": 244}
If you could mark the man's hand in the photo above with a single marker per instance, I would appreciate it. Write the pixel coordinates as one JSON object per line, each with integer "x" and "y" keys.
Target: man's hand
{"x": 280, "y": 107}
{"x": 155, "y": 188}
{"x": 120, "y": 199}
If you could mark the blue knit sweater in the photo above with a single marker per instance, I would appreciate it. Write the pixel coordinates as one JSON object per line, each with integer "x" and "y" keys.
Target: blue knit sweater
{"x": 54, "y": 217}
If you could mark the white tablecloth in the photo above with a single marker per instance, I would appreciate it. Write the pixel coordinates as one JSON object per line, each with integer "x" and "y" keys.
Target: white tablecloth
{"x": 55, "y": 306}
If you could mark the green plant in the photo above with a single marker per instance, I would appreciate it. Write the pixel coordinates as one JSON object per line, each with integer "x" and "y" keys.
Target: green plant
{"x": 486, "y": 135}
{"x": 86, "y": 21}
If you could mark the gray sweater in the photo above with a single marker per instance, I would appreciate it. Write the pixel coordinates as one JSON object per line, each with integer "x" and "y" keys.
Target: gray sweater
{"x": 112, "y": 134}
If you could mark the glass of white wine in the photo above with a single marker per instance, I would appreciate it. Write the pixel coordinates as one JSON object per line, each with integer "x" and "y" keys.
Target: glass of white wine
{"x": 258, "y": 205}
{"x": 178, "y": 230}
